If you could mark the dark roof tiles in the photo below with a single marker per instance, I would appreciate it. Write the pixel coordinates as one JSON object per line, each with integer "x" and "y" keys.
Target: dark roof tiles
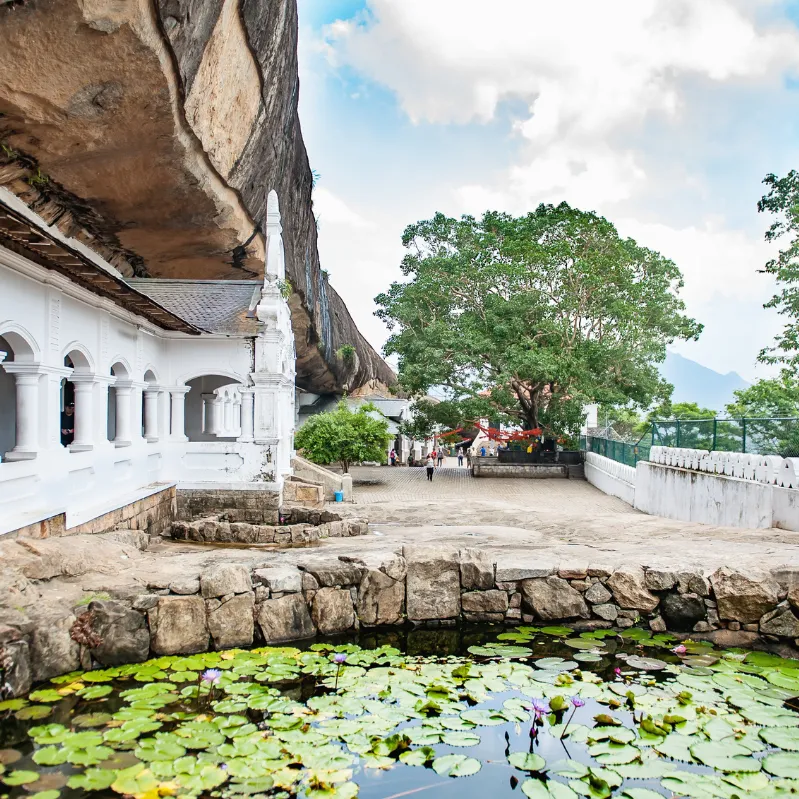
{"x": 214, "y": 306}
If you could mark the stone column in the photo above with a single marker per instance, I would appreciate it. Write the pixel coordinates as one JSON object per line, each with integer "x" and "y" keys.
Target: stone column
{"x": 122, "y": 391}
{"x": 178, "y": 427}
{"x": 208, "y": 414}
{"x": 137, "y": 412}
{"x": 217, "y": 412}
{"x": 151, "y": 414}
{"x": 247, "y": 417}
{"x": 84, "y": 412}
{"x": 227, "y": 424}
{"x": 27, "y": 401}
{"x": 237, "y": 416}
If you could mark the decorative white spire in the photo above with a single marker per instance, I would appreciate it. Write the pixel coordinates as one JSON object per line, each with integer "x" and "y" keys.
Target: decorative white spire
{"x": 275, "y": 257}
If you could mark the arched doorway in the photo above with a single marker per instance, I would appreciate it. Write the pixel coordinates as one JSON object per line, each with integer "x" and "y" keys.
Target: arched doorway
{"x": 119, "y": 406}
{"x": 77, "y": 402}
{"x": 213, "y": 409}
{"x": 19, "y": 398}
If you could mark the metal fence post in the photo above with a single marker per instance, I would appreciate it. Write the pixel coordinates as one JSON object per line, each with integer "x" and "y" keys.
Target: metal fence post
{"x": 678, "y": 433}
{"x": 715, "y": 430}
{"x": 743, "y": 435}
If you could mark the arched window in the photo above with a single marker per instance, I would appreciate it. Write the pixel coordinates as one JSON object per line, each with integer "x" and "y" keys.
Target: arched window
{"x": 19, "y": 396}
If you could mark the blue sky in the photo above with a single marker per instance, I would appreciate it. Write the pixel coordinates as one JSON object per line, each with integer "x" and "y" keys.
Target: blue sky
{"x": 663, "y": 115}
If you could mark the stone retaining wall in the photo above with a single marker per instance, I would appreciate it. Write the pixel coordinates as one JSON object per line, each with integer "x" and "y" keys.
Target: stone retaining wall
{"x": 491, "y": 467}
{"x": 153, "y": 514}
{"x": 231, "y": 605}
{"x": 251, "y": 506}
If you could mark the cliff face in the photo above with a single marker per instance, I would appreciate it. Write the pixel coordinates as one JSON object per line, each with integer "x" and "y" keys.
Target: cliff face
{"x": 153, "y": 130}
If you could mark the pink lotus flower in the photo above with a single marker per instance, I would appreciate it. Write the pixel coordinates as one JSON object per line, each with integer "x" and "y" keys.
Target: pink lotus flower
{"x": 679, "y": 650}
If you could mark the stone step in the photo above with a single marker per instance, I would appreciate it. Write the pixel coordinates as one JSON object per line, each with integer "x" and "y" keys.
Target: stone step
{"x": 577, "y": 472}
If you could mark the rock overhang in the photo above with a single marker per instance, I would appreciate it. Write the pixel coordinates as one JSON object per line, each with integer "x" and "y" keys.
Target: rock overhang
{"x": 154, "y": 133}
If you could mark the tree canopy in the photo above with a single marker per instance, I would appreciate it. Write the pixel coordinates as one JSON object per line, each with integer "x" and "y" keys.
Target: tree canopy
{"x": 525, "y": 319}
{"x": 782, "y": 200}
{"x": 344, "y": 436}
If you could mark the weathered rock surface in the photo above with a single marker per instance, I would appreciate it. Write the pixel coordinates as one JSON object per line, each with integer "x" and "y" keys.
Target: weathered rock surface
{"x": 682, "y": 611}
{"x": 493, "y": 601}
{"x": 598, "y": 594}
{"x": 744, "y": 597}
{"x": 280, "y": 579}
{"x": 333, "y": 573}
{"x": 17, "y": 660}
{"x": 232, "y": 623}
{"x": 284, "y": 619}
{"x": 227, "y": 578}
{"x": 433, "y": 584}
{"x": 380, "y": 598}
{"x": 178, "y": 626}
{"x": 659, "y": 580}
{"x": 693, "y": 582}
{"x": 477, "y": 570}
{"x": 552, "y": 598}
{"x": 204, "y": 95}
{"x": 185, "y": 586}
{"x": 122, "y": 631}
{"x": 512, "y": 573}
{"x": 781, "y": 622}
{"x": 52, "y": 650}
{"x": 396, "y": 568}
{"x": 332, "y": 611}
{"x": 609, "y": 612}
{"x": 628, "y": 584}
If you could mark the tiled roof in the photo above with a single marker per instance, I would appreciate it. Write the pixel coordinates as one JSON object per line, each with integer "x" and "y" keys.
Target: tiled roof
{"x": 215, "y": 306}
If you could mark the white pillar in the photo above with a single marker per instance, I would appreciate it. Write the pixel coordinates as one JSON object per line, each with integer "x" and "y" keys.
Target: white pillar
{"x": 227, "y": 424}
{"x": 151, "y": 414}
{"x": 247, "y": 417}
{"x": 84, "y": 413}
{"x": 217, "y": 412}
{"x": 122, "y": 391}
{"x": 208, "y": 414}
{"x": 27, "y": 424}
{"x": 137, "y": 412}
{"x": 177, "y": 397}
{"x": 237, "y": 416}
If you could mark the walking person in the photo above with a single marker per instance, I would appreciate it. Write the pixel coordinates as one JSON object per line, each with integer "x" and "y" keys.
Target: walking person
{"x": 393, "y": 457}
{"x": 440, "y": 457}
{"x": 431, "y": 467}
{"x": 460, "y": 457}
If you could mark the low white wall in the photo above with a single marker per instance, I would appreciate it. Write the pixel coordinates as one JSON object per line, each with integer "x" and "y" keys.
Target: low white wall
{"x": 330, "y": 481}
{"x": 611, "y": 477}
{"x": 686, "y": 495}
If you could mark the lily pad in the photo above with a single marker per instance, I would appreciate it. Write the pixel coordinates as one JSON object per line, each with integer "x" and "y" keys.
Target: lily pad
{"x": 782, "y": 737}
{"x": 725, "y": 755}
{"x": 527, "y": 761}
{"x": 456, "y": 766}
{"x": 782, "y": 764}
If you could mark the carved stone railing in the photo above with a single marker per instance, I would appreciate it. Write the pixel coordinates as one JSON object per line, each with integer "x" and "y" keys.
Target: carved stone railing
{"x": 768, "y": 469}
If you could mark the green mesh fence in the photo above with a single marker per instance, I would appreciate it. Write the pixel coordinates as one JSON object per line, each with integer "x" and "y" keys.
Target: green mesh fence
{"x": 754, "y": 436}
{"x": 620, "y": 451}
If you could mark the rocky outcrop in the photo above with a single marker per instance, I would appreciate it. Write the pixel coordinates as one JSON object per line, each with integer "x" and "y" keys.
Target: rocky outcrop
{"x": 284, "y": 619}
{"x": 178, "y": 626}
{"x": 118, "y": 116}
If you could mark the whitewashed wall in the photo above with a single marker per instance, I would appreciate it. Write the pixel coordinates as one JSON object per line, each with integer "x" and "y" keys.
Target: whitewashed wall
{"x": 41, "y": 322}
{"x": 720, "y": 488}
{"x": 611, "y": 477}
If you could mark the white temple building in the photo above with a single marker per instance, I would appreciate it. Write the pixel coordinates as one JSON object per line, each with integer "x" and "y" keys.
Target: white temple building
{"x": 174, "y": 382}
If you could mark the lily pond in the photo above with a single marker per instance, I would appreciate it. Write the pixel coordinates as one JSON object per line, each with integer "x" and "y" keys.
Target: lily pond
{"x": 542, "y": 713}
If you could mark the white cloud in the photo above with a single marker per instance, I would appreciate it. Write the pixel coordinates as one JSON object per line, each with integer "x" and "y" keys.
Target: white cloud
{"x": 330, "y": 209}
{"x": 585, "y": 83}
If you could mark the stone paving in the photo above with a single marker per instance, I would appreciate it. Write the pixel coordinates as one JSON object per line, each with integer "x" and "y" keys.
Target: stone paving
{"x": 381, "y": 484}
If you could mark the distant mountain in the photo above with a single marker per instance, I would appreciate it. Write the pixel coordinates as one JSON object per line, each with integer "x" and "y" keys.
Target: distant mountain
{"x": 696, "y": 383}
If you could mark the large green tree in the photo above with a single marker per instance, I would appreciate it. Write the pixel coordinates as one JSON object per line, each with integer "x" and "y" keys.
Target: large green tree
{"x": 344, "y": 436}
{"x": 525, "y": 319}
{"x": 782, "y": 200}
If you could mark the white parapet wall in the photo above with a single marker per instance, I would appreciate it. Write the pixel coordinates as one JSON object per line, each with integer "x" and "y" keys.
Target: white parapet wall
{"x": 611, "y": 477}
{"x": 727, "y": 489}
{"x": 719, "y": 488}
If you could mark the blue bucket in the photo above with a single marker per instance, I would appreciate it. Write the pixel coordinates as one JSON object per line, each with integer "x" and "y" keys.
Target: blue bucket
{"x": 339, "y": 496}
